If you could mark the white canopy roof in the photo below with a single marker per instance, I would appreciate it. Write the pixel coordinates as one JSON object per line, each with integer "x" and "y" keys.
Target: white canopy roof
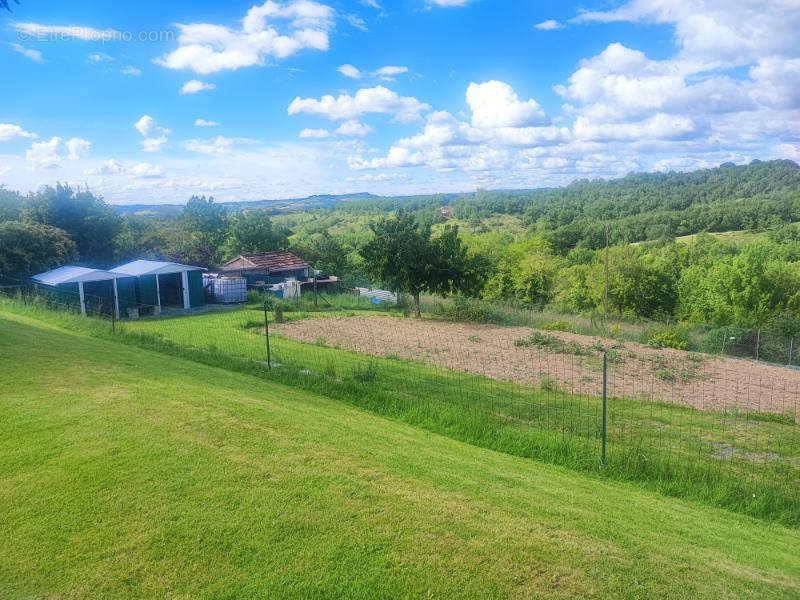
{"x": 138, "y": 268}
{"x": 70, "y": 274}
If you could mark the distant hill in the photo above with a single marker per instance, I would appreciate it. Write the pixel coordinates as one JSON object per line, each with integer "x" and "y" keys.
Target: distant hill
{"x": 284, "y": 205}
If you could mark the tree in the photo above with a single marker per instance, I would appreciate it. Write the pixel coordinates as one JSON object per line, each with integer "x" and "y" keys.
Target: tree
{"x": 29, "y": 248}
{"x": 202, "y": 232}
{"x": 253, "y": 231}
{"x": 88, "y": 220}
{"x": 10, "y": 205}
{"x": 404, "y": 256}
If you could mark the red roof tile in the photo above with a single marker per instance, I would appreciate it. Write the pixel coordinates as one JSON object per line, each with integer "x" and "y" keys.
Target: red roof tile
{"x": 274, "y": 261}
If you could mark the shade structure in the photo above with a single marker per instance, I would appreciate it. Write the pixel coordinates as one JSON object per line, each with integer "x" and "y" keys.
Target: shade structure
{"x": 72, "y": 278}
{"x": 161, "y": 282}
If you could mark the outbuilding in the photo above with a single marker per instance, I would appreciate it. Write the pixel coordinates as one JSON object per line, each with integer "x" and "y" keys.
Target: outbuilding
{"x": 165, "y": 284}
{"x": 94, "y": 290}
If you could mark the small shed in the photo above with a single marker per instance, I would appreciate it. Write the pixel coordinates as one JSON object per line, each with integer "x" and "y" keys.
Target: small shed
{"x": 267, "y": 267}
{"x": 165, "y": 284}
{"x": 90, "y": 288}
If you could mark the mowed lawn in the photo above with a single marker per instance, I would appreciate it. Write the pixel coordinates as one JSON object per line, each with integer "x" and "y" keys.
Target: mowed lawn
{"x": 128, "y": 473}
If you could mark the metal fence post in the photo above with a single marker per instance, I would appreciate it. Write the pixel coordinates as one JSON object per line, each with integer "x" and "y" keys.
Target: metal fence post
{"x": 605, "y": 402}
{"x": 791, "y": 347}
{"x": 758, "y": 341}
{"x": 113, "y": 321}
{"x": 266, "y": 334}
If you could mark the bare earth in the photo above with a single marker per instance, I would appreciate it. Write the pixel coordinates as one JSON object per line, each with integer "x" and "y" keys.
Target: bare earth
{"x": 703, "y": 381}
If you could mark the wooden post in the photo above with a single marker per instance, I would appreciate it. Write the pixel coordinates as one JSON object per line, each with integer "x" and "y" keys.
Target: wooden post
{"x": 315, "y": 288}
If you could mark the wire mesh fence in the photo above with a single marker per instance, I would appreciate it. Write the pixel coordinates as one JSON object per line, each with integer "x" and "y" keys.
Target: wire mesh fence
{"x": 712, "y": 426}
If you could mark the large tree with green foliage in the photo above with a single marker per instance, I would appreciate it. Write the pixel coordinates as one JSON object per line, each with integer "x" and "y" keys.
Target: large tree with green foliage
{"x": 89, "y": 221}
{"x": 404, "y": 256}
{"x": 253, "y": 231}
{"x": 29, "y": 248}
{"x": 202, "y": 227}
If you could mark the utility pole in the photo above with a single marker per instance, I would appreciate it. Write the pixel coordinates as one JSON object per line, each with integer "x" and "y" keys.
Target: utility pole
{"x": 605, "y": 289}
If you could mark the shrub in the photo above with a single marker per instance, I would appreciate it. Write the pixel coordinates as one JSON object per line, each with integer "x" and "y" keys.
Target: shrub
{"x": 557, "y": 326}
{"x": 278, "y": 312}
{"x": 670, "y": 337}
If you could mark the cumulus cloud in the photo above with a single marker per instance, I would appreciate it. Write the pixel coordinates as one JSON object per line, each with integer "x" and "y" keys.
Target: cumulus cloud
{"x": 77, "y": 148}
{"x": 216, "y": 145}
{"x": 131, "y": 71}
{"x": 495, "y": 104}
{"x": 155, "y": 136}
{"x": 30, "y": 53}
{"x": 449, "y": 3}
{"x": 269, "y": 30}
{"x": 317, "y": 134}
{"x": 98, "y": 57}
{"x": 205, "y": 123}
{"x": 353, "y": 127}
{"x": 195, "y": 85}
{"x": 146, "y": 170}
{"x": 350, "y": 71}
{"x": 366, "y": 100}
{"x": 389, "y": 72}
{"x": 50, "y": 154}
{"x": 548, "y": 25}
{"x": 10, "y": 131}
{"x": 108, "y": 167}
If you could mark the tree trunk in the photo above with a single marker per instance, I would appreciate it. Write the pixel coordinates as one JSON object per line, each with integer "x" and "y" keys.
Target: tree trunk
{"x": 417, "y": 313}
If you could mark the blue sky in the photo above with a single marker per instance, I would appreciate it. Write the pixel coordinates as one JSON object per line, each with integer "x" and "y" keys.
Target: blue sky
{"x": 155, "y": 101}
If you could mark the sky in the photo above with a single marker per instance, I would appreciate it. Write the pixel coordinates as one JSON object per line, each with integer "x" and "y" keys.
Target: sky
{"x": 153, "y": 102}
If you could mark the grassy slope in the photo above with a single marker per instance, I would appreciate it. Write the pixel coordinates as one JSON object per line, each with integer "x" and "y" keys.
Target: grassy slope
{"x": 125, "y": 472}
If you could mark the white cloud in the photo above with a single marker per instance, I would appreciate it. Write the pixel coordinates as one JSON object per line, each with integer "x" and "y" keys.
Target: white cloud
{"x": 48, "y": 33}
{"x": 389, "y": 72}
{"x": 350, "y": 71}
{"x": 356, "y": 21}
{"x": 353, "y": 127}
{"x": 146, "y": 170}
{"x": 548, "y": 25}
{"x": 45, "y": 155}
{"x": 154, "y": 144}
{"x": 495, "y": 104}
{"x": 98, "y": 57}
{"x": 449, "y": 3}
{"x": 10, "y": 131}
{"x": 77, "y": 148}
{"x": 30, "y": 53}
{"x": 131, "y": 71}
{"x": 314, "y": 134}
{"x": 195, "y": 85}
{"x": 155, "y": 136}
{"x": 108, "y": 167}
{"x": 217, "y": 145}
{"x": 206, "y": 48}
{"x": 205, "y": 123}
{"x": 366, "y": 100}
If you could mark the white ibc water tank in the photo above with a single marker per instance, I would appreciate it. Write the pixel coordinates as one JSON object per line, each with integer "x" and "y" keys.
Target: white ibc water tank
{"x": 226, "y": 290}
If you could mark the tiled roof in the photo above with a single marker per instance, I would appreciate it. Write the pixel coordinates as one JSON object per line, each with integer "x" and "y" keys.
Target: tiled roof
{"x": 274, "y": 261}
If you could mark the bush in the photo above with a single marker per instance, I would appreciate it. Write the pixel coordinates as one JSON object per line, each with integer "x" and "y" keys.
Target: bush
{"x": 278, "y": 311}
{"x": 557, "y": 326}
{"x": 670, "y": 337}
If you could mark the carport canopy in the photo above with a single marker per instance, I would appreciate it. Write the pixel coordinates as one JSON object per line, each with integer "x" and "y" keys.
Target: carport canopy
{"x": 142, "y": 268}
{"x": 71, "y": 274}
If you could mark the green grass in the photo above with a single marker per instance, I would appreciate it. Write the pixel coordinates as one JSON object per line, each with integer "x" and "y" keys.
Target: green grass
{"x": 128, "y": 473}
{"x": 723, "y": 459}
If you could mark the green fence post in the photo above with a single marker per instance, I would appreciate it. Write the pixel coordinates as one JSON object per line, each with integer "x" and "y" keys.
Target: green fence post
{"x": 605, "y": 401}
{"x": 266, "y": 335}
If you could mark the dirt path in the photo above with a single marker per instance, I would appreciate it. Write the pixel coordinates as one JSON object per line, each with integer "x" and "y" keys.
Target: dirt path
{"x": 573, "y": 361}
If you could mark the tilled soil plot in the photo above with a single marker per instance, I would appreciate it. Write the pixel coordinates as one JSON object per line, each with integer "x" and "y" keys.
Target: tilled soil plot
{"x": 573, "y": 361}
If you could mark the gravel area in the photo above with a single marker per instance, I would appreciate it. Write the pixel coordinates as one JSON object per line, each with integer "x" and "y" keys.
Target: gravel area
{"x": 703, "y": 381}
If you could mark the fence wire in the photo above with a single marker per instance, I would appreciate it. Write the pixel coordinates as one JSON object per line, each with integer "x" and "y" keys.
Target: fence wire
{"x": 727, "y": 427}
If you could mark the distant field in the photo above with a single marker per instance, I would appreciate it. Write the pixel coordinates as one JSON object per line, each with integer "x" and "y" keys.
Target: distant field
{"x": 128, "y": 473}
